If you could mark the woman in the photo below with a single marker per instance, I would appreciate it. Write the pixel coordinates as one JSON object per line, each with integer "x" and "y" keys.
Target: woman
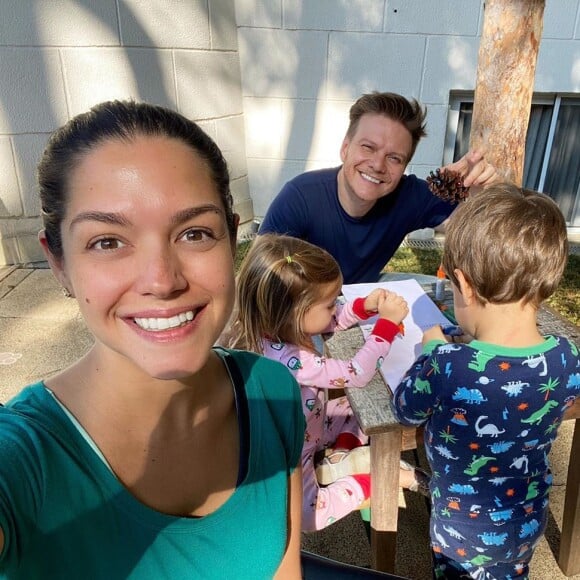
{"x": 155, "y": 455}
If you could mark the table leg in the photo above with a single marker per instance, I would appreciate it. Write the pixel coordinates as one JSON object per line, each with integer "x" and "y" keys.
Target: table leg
{"x": 385, "y": 455}
{"x": 569, "y": 555}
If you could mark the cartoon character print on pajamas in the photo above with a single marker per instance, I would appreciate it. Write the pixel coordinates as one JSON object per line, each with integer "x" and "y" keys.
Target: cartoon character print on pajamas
{"x": 491, "y": 415}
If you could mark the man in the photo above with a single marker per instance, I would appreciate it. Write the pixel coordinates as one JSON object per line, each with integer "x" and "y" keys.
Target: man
{"x": 361, "y": 211}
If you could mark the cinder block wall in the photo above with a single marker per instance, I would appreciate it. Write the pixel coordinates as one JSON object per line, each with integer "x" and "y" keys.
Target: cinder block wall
{"x": 304, "y": 62}
{"x": 60, "y": 57}
{"x": 277, "y": 107}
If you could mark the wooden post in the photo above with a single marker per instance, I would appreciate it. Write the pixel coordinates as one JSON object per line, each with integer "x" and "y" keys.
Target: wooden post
{"x": 569, "y": 555}
{"x": 508, "y": 53}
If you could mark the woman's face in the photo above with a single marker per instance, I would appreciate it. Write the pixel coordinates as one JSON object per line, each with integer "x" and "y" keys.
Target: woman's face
{"x": 147, "y": 254}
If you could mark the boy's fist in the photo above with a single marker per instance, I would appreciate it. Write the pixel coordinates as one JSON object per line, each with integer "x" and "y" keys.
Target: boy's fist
{"x": 433, "y": 333}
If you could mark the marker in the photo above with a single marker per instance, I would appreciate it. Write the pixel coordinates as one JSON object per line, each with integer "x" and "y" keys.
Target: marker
{"x": 452, "y": 330}
{"x": 440, "y": 285}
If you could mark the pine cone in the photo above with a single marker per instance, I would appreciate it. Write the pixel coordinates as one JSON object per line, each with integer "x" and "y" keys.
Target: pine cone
{"x": 447, "y": 185}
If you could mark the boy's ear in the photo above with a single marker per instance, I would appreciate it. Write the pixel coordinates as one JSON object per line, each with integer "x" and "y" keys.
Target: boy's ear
{"x": 465, "y": 287}
{"x": 56, "y": 264}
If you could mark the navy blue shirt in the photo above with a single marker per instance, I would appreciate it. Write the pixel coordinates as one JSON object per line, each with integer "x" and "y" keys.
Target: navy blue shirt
{"x": 308, "y": 208}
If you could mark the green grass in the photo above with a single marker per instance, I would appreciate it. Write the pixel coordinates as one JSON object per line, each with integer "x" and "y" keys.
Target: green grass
{"x": 241, "y": 252}
{"x": 566, "y": 300}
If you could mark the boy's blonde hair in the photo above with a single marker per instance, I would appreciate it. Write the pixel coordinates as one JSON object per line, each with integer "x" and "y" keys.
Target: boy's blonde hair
{"x": 280, "y": 279}
{"x": 510, "y": 243}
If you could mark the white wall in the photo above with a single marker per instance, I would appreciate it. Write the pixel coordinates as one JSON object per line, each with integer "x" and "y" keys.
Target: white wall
{"x": 59, "y": 57}
{"x": 304, "y": 62}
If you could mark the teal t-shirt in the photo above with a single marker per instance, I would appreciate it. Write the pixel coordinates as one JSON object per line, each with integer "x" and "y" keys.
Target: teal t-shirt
{"x": 65, "y": 515}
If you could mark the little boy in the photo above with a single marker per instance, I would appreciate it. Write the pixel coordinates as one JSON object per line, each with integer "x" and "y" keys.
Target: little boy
{"x": 492, "y": 408}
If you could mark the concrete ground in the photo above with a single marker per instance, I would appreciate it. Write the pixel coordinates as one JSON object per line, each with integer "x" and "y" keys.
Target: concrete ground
{"x": 41, "y": 332}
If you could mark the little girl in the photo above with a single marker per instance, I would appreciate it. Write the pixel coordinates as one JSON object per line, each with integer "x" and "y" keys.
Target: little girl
{"x": 287, "y": 292}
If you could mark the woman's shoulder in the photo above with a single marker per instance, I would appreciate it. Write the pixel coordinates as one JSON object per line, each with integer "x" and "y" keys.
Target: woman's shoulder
{"x": 28, "y": 419}
{"x": 28, "y": 402}
{"x": 251, "y": 363}
{"x": 273, "y": 397}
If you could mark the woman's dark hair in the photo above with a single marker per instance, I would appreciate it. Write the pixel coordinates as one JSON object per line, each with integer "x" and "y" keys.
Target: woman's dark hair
{"x": 124, "y": 121}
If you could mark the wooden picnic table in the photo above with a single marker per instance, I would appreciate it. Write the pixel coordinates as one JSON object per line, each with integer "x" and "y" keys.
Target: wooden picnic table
{"x": 372, "y": 406}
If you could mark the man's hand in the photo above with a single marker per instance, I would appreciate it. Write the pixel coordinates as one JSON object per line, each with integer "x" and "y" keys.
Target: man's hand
{"x": 474, "y": 169}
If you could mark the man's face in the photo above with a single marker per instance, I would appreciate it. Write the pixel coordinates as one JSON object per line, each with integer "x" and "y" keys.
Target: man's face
{"x": 374, "y": 160}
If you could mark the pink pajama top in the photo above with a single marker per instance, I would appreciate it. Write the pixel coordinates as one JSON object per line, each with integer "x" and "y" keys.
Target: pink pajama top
{"x": 316, "y": 374}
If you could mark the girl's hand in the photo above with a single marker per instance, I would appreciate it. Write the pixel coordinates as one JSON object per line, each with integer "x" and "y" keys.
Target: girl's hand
{"x": 372, "y": 300}
{"x": 433, "y": 333}
{"x": 393, "y": 307}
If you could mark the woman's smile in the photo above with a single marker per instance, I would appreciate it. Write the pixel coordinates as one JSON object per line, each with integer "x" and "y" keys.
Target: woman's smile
{"x": 163, "y": 323}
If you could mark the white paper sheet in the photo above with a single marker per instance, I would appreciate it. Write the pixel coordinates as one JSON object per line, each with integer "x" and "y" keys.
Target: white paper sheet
{"x": 423, "y": 314}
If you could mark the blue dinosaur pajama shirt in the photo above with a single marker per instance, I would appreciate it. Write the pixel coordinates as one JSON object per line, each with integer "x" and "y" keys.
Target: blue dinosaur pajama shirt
{"x": 491, "y": 415}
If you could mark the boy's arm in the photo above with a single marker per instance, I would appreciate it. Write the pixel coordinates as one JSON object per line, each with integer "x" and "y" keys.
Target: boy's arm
{"x": 417, "y": 393}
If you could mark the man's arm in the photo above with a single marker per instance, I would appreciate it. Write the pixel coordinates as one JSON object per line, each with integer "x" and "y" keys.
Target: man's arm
{"x": 476, "y": 172}
{"x": 287, "y": 214}
{"x": 441, "y": 227}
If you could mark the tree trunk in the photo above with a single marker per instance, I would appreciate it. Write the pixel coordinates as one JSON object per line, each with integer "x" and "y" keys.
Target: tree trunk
{"x": 506, "y": 67}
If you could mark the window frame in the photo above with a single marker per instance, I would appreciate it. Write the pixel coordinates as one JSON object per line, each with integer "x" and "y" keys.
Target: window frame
{"x": 457, "y": 98}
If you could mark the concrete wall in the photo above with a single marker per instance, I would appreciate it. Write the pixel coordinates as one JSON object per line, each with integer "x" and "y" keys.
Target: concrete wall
{"x": 59, "y": 57}
{"x": 304, "y": 62}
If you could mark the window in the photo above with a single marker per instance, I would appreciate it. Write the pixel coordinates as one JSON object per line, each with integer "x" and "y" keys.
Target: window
{"x": 552, "y": 147}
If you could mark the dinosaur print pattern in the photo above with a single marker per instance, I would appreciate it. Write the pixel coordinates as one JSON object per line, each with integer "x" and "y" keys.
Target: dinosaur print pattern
{"x": 537, "y": 416}
{"x": 489, "y": 429}
{"x": 473, "y": 396}
{"x": 490, "y": 421}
